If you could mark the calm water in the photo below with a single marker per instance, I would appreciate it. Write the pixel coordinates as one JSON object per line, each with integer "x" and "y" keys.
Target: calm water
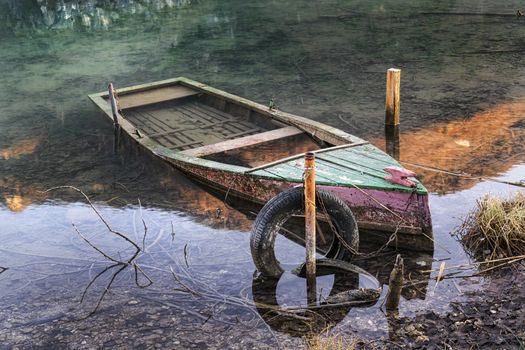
{"x": 463, "y": 103}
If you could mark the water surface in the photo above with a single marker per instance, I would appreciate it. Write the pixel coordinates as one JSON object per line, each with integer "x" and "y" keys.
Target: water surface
{"x": 462, "y": 109}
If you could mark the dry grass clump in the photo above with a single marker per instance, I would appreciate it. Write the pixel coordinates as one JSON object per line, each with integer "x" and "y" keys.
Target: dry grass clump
{"x": 331, "y": 342}
{"x": 496, "y": 228}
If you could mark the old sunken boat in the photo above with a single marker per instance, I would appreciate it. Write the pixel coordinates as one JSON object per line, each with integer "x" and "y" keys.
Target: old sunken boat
{"x": 254, "y": 152}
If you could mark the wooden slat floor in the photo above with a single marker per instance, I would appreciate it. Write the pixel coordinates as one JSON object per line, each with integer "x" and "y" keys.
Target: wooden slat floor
{"x": 182, "y": 126}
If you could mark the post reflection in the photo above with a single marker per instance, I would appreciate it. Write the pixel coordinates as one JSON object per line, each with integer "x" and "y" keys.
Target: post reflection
{"x": 313, "y": 318}
{"x": 392, "y": 141}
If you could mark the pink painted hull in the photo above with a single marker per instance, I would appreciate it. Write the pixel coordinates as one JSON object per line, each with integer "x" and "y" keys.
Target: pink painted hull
{"x": 387, "y": 211}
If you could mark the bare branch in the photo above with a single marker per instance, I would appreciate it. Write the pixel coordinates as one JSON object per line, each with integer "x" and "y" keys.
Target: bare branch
{"x": 137, "y": 270}
{"x": 121, "y": 235}
{"x": 186, "y": 254}
{"x": 106, "y": 289}
{"x": 145, "y": 227}
{"x": 95, "y": 278}
{"x": 94, "y": 247}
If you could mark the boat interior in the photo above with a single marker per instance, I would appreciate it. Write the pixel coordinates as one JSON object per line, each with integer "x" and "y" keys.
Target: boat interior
{"x": 208, "y": 126}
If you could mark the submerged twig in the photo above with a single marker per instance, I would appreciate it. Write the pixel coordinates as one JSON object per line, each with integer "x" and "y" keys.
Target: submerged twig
{"x": 106, "y": 289}
{"x": 93, "y": 246}
{"x": 145, "y": 227}
{"x": 211, "y": 294}
{"x": 179, "y": 281}
{"x": 186, "y": 255}
{"x": 120, "y": 263}
{"x": 137, "y": 270}
{"x": 121, "y": 235}
{"x": 107, "y": 268}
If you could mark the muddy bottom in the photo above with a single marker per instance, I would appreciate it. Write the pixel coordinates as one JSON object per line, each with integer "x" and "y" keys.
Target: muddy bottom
{"x": 491, "y": 318}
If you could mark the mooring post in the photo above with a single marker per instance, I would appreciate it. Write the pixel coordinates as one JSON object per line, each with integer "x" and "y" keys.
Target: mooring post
{"x": 114, "y": 110}
{"x": 309, "y": 201}
{"x": 393, "y": 87}
{"x": 393, "y": 84}
{"x": 309, "y": 212}
{"x": 395, "y": 284}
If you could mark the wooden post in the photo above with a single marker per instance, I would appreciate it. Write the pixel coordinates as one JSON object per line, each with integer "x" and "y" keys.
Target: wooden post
{"x": 393, "y": 82}
{"x": 395, "y": 284}
{"x": 309, "y": 212}
{"x": 309, "y": 202}
{"x": 114, "y": 110}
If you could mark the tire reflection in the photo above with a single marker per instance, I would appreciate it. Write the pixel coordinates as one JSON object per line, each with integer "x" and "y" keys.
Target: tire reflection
{"x": 312, "y": 319}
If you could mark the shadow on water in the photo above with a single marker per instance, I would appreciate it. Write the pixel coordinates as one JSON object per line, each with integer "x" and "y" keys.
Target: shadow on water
{"x": 321, "y": 60}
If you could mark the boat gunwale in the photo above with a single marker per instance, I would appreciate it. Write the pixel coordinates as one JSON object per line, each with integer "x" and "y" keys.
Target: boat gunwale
{"x": 314, "y": 128}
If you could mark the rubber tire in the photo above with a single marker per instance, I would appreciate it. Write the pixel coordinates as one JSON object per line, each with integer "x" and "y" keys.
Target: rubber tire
{"x": 290, "y": 202}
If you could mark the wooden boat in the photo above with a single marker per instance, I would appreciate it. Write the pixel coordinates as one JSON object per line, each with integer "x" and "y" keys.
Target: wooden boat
{"x": 254, "y": 152}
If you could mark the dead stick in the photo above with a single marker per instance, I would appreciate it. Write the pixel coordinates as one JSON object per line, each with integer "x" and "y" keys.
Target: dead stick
{"x": 94, "y": 247}
{"x": 137, "y": 270}
{"x": 186, "y": 255}
{"x": 145, "y": 227}
{"x": 517, "y": 257}
{"x": 106, "y": 290}
{"x": 93, "y": 280}
{"x": 114, "y": 110}
{"x": 395, "y": 285}
{"x": 121, "y": 235}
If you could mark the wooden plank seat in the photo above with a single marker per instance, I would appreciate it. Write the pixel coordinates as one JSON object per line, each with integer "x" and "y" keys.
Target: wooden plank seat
{"x": 148, "y": 97}
{"x": 245, "y": 141}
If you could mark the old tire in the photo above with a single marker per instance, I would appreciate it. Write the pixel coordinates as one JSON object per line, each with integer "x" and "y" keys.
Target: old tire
{"x": 291, "y": 202}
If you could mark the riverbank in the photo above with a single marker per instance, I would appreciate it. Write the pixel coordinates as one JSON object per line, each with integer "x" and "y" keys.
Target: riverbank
{"x": 492, "y": 317}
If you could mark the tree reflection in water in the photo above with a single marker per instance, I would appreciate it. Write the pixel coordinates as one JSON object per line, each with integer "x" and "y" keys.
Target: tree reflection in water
{"x": 86, "y": 14}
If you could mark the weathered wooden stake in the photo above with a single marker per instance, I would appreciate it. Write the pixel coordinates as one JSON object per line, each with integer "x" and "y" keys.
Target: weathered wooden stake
{"x": 114, "y": 110}
{"x": 309, "y": 212}
{"x": 310, "y": 226}
{"x": 395, "y": 284}
{"x": 393, "y": 82}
